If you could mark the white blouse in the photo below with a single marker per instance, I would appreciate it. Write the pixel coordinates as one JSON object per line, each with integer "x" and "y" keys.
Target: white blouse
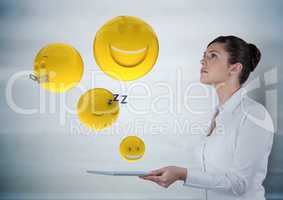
{"x": 234, "y": 157}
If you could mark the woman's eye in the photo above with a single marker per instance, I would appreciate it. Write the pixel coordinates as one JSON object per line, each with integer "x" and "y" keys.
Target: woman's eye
{"x": 212, "y": 56}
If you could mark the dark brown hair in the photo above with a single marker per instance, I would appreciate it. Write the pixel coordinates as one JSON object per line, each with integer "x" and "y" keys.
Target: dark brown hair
{"x": 240, "y": 52}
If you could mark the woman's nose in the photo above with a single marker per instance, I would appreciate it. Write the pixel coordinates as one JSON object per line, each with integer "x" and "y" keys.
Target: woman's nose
{"x": 202, "y": 61}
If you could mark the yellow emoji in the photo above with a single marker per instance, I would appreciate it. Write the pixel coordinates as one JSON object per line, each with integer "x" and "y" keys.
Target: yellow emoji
{"x": 126, "y": 48}
{"x": 58, "y": 67}
{"x": 96, "y": 108}
{"x": 132, "y": 148}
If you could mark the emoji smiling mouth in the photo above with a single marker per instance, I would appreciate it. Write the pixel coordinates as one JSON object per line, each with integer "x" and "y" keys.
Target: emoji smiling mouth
{"x": 128, "y": 58}
{"x": 128, "y": 52}
{"x": 133, "y": 157}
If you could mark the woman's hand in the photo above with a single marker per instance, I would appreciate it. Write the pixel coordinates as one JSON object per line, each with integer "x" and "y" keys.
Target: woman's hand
{"x": 166, "y": 176}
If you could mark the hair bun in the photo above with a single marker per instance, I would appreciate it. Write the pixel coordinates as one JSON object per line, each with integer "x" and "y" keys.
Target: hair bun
{"x": 255, "y": 56}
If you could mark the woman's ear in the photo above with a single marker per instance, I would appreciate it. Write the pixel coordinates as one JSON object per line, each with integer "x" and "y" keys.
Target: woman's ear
{"x": 235, "y": 69}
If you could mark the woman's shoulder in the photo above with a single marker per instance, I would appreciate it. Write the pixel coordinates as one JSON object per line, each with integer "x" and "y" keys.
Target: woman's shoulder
{"x": 256, "y": 113}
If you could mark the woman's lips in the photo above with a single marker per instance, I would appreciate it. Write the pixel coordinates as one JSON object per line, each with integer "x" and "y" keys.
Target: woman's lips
{"x": 203, "y": 71}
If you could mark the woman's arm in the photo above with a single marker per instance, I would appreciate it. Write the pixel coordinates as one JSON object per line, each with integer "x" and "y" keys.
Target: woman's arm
{"x": 253, "y": 146}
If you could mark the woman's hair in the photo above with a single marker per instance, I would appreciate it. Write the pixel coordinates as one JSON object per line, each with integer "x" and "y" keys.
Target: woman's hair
{"x": 240, "y": 51}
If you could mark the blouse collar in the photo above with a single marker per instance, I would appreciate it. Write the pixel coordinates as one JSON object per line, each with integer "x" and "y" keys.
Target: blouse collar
{"x": 233, "y": 101}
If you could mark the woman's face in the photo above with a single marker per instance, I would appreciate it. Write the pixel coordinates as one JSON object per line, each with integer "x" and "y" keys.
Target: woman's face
{"x": 214, "y": 65}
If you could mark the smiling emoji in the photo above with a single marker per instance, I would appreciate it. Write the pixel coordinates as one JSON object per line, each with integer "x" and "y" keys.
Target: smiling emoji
{"x": 132, "y": 148}
{"x": 58, "y": 67}
{"x": 126, "y": 48}
{"x": 96, "y": 109}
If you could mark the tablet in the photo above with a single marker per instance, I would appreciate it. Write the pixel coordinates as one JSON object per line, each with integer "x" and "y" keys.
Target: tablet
{"x": 119, "y": 173}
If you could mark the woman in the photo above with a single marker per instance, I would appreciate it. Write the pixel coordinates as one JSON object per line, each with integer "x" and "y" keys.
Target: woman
{"x": 234, "y": 161}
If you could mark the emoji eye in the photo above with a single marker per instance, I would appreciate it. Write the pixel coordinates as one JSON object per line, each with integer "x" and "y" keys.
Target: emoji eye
{"x": 138, "y": 148}
{"x": 137, "y": 28}
{"x": 122, "y": 28}
{"x": 129, "y": 149}
{"x": 42, "y": 65}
